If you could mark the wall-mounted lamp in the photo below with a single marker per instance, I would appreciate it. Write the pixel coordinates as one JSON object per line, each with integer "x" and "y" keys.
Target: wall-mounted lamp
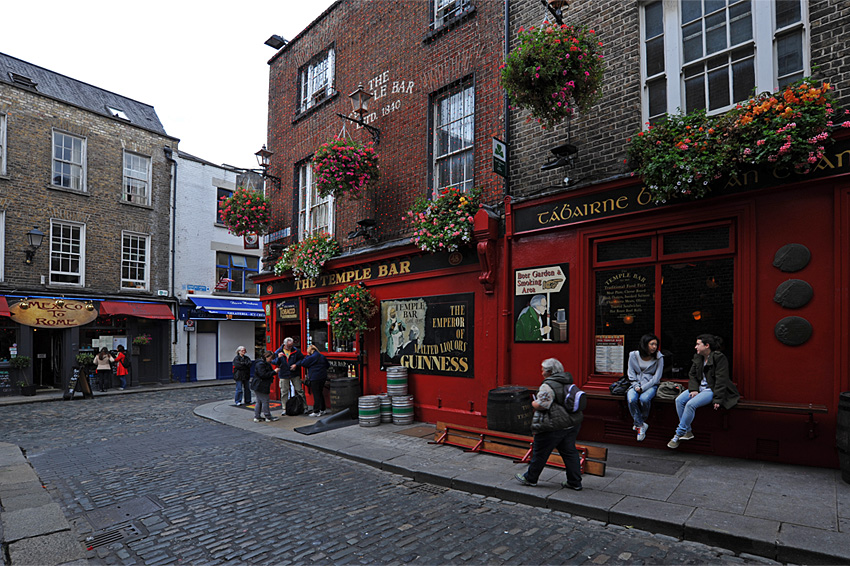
{"x": 275, "y": 42}
{"x": 25, "y": 304}
{"x": 34, "y": 238}
{"x": 264, "y": 157}
{"x": 365, "y": 228}
{"x": 89, "y": 306}
{"x": 360, "y": 105}
{"x": 556, "y": 8}
{"x": 60, "y": 302}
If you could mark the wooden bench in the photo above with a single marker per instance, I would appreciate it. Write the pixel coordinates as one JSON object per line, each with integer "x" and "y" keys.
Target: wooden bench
{"x": 516, "y": 446}
{"x": 809, "y": 409}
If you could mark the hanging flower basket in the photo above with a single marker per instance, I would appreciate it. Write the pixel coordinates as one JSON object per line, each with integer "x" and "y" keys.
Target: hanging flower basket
{"x": 307, "y": 257}
{"x": 345, "y": 167}
{"x": 554, "y": 70}
{"x": 681, "y": 155}
{"x": 245, "y": 212}
{"x": 142, "y": 340}
{"x": 445, "y": 223}
{"x": 350, "y": 311}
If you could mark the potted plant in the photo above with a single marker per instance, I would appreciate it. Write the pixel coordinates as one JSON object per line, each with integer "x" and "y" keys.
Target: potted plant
{"x": 21, "y": 363}
{"x": 84, "y": 359}
{"x": 245, "y": 212}
{"x": 350, "y": 311}
{"x": 554, "y": 70}
{"x": 345, "y": 168}
{"x": 142, "y": 340}
{"x": 307, "y": 257}
{"x": 445, "y": 223}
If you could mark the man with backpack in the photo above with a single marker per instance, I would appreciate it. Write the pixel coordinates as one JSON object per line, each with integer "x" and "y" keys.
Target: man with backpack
{"x": 557, "y": 419}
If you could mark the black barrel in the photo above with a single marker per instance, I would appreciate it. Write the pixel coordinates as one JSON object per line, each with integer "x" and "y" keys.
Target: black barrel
{"x": 345, "y": 392}
{"x": 509, "y": 409}
{"x": 842, "y": 435}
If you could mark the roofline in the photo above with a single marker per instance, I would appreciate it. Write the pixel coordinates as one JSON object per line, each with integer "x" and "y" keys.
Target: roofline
{"x": 304, "y": 31}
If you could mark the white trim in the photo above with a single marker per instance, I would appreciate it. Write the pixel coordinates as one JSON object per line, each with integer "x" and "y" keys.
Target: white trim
{"x": 81, "y": 165}
{"x": 81, "y": 257}
{"x": 147, "y": 262}
{"x": 309, "y": 202}
{"x": 147, "y": 180}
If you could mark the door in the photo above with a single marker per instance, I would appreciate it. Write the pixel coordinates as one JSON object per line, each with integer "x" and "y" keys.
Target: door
{"x": 207, "y": 355}
{"x": 47, "y": 357}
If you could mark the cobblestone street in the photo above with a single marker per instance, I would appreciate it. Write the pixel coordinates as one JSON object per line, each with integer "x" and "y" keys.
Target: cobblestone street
{"x": 151, "y": 483}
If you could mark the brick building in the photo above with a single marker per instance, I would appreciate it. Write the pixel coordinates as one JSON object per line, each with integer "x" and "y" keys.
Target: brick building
{"x": 87, "y": 169}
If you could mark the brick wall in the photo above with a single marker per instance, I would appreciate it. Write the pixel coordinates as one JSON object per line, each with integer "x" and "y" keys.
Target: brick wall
{"x": 386, "y": 47}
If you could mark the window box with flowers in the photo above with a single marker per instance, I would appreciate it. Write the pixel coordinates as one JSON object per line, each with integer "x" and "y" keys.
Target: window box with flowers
{"x": 345, "y": 167}
{"x": 445, "y": 223}
{"x": 142, "y": 340}
{"x": 245, "y": 212}
{"x": 350, "y": 311}
{"x": 681, "y": 155}
{"x": 554, "y": 70}
{"x": 307, "y": 257}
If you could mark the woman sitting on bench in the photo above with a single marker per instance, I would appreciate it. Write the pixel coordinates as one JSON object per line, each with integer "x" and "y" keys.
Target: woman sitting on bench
{"x": 645, "y": 367}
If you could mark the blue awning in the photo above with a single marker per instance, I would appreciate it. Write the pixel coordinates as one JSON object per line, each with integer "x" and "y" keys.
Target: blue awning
{"x": 245, "y": 308}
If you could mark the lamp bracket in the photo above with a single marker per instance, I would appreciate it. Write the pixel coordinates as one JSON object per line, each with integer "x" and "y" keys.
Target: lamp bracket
{"x": 376, "y": 133}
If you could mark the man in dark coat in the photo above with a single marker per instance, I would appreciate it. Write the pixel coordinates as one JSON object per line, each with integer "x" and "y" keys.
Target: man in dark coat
{"x": 285, "y": 357}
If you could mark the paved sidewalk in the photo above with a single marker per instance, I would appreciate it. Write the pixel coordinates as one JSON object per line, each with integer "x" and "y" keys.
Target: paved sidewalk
{"x": 786, "y": 513}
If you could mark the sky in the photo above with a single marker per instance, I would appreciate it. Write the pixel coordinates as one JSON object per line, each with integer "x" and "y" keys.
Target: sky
{"x": 202, "y": 65}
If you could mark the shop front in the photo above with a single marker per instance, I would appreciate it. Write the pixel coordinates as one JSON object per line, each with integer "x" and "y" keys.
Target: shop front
{"x": 762, "y": 263}
{"x": 433, "y": 312}
{"x": 53, "y": 331}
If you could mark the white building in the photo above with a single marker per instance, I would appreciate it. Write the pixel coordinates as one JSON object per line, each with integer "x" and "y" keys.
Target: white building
{"x": 219, "y": 309}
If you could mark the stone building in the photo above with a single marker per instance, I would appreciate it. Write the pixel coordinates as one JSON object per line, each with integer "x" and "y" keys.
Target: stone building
{"x": 87, "y": 171}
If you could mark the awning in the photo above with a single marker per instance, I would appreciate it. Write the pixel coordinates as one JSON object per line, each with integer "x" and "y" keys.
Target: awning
{"x": 4, "y": 307}
{"x": 141, "y": 310}
{"x": 245, "y": 308}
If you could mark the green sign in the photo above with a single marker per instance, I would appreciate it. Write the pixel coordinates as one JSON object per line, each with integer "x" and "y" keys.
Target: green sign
{"x": 500, "y": 157}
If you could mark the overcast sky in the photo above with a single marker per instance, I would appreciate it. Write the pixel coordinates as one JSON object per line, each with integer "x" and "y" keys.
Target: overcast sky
{"x": 202, "y": 65}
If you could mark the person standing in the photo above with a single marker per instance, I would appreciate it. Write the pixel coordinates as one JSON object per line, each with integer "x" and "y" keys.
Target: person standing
{"x": 646, "y": 364}
{"x": 709, "y": 382}
{"x": 120, "y": 368}
{"x": 103, "y": 362}
{"x": 558, "y": 413}
{"x": 317, "y": 374}
{"x": 286, "y": 356}
{"x": 261, "y": 385}
{"x": 241, "y": 374}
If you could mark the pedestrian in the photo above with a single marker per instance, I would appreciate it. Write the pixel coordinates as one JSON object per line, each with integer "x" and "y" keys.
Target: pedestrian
{"x": 317, "y": 374}
{"x": 120, "y": 368}
{"x": 103, "y": 362}
{"x": 558, "y": 412}
{"x": 708, "y": 382}
{"x": 286, "y": 356}
{"x": 241, "y": 374}
{"x": 261, "y": 385}
{"x": 646, "y": 365}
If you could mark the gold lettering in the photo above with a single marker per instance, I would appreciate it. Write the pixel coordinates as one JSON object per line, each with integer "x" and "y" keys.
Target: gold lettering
{"x": 840, "y": 157}
{"x": 404, "y": 267}
{"x": 540, "y": 218}
{"x": 623, "y": 202}
{"x": 382, "y": 271}
{"x": 367, "y": 273}
{"x": 594, "y": 207}
{"x": 644, "y": 197}
{"x": 393, "y": 269}
{"x": 820, "y": 166}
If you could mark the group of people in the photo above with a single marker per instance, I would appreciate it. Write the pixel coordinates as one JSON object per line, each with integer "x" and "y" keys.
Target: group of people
{"x": 284, "y": 363}
{"x": 105, "y": 362}
{"x": 709, "y": 382}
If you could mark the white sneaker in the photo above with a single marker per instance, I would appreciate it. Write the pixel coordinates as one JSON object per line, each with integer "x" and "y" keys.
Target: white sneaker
{"x": 314, "y": 415}
{"x": 240, "y": 403}
{"x": 642, "y": 432}
{"x": 259, "y": 420}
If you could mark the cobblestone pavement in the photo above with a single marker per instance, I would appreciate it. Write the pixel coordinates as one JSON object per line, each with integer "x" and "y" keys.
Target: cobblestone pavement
{"x": 148, "y": 482}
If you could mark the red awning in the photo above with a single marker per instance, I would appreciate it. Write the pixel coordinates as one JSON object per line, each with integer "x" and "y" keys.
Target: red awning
{"x": 4, "y": 307}
{"x": 142, "y": 310}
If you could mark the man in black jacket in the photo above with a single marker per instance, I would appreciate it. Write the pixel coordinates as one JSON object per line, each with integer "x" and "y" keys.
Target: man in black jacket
{"x": 284, "y": 357}
{"x": 241, "y": 374}
{"x": 558, "y": 412}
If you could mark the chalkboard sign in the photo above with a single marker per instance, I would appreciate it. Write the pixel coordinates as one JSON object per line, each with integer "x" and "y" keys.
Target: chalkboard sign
{"x": 7, "y": 386}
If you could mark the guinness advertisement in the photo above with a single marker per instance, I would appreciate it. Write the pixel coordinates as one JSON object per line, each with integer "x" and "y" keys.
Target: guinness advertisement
{"x": 429, "y": 335}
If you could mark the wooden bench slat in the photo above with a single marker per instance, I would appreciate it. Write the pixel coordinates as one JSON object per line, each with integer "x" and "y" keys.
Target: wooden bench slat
{"x": 746, "y": 404}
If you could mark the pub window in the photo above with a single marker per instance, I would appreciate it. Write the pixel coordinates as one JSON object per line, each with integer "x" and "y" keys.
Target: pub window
{"x": 319, "y": 332}
{"x": 683, "y": 289}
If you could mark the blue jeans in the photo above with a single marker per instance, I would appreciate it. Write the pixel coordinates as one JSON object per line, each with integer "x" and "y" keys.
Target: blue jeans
{"x": 565, "y": 442}
{"x": 639, "y": 404}
{"x": 687, "y": 406}
{"x": 242, "y": 391}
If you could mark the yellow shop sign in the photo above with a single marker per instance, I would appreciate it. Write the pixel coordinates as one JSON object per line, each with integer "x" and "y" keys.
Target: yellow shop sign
{"x": 46, "y": 313}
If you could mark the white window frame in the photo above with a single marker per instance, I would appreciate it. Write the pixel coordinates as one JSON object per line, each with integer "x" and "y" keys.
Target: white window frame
{"x": 763, "y": 16}
{"x": 2, "y": 144}
{"x": 455, "y": 125}
{"x": 316, "y": 80}
{"x": 131, "y": 261}
{"x": 58, "y": 253}
{"x": 311, "y": 206}
{"x": 136, "y": 178}
{"x": 446, "y": 10}
{"x": 69, "y": 161}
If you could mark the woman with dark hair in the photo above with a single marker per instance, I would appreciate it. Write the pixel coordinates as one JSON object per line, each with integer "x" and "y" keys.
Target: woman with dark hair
{"x": 708, "y": 382}
{"x": 261, "y": 385}
{"x": 103, "y": 362}
{"x": 317, "y": 374}
{"x": 646, "y": 365}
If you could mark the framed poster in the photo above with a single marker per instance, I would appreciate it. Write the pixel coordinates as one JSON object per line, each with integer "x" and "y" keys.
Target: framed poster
{"x": 542, "y": 304}
{"x": 429, "y": 335}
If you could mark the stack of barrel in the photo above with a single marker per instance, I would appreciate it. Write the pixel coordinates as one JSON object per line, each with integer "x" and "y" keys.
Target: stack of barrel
{"x": 396, "y": 406}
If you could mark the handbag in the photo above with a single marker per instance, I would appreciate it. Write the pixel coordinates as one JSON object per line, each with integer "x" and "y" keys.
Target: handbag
{"x": 294, "y": 406}
{"x": 620, "y": 386}
{"x": 669, "y": 390}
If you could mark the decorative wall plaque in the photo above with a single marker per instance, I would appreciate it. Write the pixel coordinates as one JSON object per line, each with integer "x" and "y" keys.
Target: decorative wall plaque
{"x": 793, "y": 294}
{"x": 792, "y": 257}
{"x": 793, "y": 330}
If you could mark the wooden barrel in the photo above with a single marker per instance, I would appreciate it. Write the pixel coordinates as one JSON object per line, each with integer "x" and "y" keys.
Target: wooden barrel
{"x": 509, "y": 409}
{"x": 369, "y": 410}
{"x": 344, "y": 394}
{"x": 842, "y": 435}
{"x": 402, "y": 409}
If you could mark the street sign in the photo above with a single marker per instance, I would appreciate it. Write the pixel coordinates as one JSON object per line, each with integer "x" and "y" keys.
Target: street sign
{"x": 500, "y": 157}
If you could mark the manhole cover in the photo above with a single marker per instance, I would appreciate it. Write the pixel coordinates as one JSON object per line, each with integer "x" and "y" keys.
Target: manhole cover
{"x": 122, "y": 512}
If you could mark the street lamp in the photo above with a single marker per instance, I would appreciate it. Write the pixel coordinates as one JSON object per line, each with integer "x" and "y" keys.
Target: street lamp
{"x": 360, "y": 105}
{"x": 34, "y": 238}
{"x": 264, "y": 160}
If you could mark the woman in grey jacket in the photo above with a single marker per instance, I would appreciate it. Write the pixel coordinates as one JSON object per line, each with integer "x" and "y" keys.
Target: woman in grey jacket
{"x": 645, "y": 367}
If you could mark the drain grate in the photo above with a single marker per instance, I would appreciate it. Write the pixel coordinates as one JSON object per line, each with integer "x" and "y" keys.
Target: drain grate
{"x": 426, "y": 488}
{"x": 119, "y": 533}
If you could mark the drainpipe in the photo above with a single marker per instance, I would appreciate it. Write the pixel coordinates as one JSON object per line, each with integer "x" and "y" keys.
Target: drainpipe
{"x": 506, "y": 104}
{"x": 169, "y": 156}
{"x": 506, "y": 321}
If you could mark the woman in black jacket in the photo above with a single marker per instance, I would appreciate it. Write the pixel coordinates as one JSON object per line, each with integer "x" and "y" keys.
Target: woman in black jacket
{"x": 242, "y": 373}
{"x": 317, "y": 374}
{"x": 261, "y": 385}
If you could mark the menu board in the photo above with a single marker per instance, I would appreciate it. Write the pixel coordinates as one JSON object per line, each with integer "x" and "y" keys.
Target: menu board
{"x": 610, "y": 352}
{"x": 7, "y": 387}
